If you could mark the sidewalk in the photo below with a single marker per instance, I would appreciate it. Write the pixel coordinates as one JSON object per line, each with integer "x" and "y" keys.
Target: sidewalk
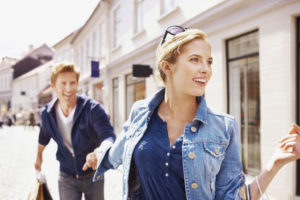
{"x": 18, "y": 152}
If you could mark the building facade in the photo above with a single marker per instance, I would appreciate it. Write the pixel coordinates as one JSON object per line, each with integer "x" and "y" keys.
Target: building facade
{"x": 6, "y": 74}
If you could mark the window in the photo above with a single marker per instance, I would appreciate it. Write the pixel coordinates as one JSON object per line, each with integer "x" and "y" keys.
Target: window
{"x": 94, "y": 45}
{"x": 298, "y": 95}
{"x": 117, "y": 28}
{"x": 139, "y": 16}
{"x": 116, "y": 118}
{"x": 87, "y": 57}
{"x": 101, "y": 40}
{"x": 135, "y": 90}
{"x": 98, "y": 92}
{"x": 244, "y": 95}
{"x": 81, "y": 58}
{"x": 167, "y": 6}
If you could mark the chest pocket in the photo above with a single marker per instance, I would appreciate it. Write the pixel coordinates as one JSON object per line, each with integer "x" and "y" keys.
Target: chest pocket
{"x": 214, "y": 155}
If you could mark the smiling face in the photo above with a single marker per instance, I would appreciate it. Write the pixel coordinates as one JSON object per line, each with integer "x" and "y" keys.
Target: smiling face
{"x": 65, "y": 86}
{"x": 192, "y": 70}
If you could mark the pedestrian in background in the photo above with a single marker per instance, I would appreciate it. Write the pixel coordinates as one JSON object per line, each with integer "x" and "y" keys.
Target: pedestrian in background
{"x": 78, "y": 125}
{"x": 31, "y": 120}
{"x": 174, "y": 146}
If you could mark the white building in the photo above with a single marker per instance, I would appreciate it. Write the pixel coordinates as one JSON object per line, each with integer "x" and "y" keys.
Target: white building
{"x": 256, "y": 70}
{"x": 27, "y": 87}
{"x": 6, "y": 74}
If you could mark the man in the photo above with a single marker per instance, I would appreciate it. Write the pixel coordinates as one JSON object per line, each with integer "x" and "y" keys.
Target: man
{"x": 78, "y": 125}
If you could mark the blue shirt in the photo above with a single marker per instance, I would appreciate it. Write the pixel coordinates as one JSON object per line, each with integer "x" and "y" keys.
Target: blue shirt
{"x": 159, "y": 166}
{"x": 211, "y": 152}
{"x": 91, "y": 126}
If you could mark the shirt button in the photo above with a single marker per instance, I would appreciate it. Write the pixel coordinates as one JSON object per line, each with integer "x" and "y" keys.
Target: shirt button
{"x": 173, "y": 146}
{"x": 193, "y": 129}
{"x": 192, "y": 155}
{"x": 167, "y": 164}
{"x": 216, "y": 150}
{"x": 194, "y": 185}
{"x": 167, "y": 174}
{"x": 168, "y": 154}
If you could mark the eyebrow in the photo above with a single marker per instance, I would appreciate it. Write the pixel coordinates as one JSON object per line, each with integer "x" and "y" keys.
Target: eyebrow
{"x": 211, "y": 58}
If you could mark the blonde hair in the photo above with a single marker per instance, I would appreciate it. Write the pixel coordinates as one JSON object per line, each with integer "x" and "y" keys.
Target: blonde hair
{"x": 170, "y": 50}
{"x": 63, "y": 67}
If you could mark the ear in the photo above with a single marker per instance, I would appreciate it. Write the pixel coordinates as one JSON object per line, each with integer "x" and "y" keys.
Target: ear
{"x": 166, "y": 67}
{"x": 52, "y": 86}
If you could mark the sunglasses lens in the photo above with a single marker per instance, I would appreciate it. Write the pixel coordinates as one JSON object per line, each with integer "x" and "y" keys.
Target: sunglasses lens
{"x": 175, "y": 30}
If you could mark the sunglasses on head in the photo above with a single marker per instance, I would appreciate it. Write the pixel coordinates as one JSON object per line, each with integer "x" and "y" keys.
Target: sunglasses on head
{"x": 173, "y": 30}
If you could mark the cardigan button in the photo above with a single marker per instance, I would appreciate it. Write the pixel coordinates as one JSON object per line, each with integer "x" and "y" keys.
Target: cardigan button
{"x": 194, "y": 185}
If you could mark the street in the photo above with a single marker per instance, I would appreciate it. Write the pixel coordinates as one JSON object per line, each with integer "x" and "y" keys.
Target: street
{"x": 18, "y": 147}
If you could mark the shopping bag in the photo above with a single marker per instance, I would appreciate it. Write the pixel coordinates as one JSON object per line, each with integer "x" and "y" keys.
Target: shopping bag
{"x": 39, "y": 189}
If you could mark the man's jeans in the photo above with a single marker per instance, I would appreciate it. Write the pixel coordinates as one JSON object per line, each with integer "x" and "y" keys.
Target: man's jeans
{"x": 71, "y": 188}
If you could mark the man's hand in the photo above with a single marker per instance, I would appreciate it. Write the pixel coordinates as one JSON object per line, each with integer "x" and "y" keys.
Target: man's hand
{"x": 92, "y": 158}
{"x": 38, "y": 163}
{"x": 91, "y": 161}
{"x": 39, "y": 157}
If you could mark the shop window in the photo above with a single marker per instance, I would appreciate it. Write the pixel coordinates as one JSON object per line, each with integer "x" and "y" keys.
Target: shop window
{"x": 116, "y": 117}
{"x": 135, "y": 90}
{"x": 244, "y": 96}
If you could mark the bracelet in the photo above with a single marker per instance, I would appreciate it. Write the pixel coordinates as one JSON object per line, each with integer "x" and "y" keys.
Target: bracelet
{"x": 257, "y": 183}
{"x": 261, "y": 193}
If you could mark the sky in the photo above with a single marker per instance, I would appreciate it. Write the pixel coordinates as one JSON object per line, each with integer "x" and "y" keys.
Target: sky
{"x": 37, "y": 22}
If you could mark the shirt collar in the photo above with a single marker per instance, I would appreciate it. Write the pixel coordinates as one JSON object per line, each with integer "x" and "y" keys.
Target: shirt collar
{"x": 201, "y": 114}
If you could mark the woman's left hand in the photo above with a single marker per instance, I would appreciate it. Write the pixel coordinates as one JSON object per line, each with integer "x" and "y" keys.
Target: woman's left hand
{"x": 289, "y": 146}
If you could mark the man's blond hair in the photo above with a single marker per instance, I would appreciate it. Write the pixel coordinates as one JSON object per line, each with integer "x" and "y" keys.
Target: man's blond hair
{"x": 170, "y": 50}
{"x": 63, "y": 67}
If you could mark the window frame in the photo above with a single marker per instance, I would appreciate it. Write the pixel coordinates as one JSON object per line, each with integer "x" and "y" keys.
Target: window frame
{"x": 228, "y": 60}
{"x": 101, "y": 39}
{"x": 172, "y": 4}
{"x": 135, "y": 81}
{"x": 117, "y": 98}
{"x": 139, "y": 17}
{"x": 298, "y": 96}
{"x": 116, "y": 27}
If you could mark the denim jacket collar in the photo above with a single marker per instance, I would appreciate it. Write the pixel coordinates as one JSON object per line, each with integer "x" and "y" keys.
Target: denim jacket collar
{"x": 201, "y": 114}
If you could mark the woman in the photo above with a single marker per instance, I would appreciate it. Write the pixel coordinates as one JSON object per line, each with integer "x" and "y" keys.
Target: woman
{"x": 173, "y": 146}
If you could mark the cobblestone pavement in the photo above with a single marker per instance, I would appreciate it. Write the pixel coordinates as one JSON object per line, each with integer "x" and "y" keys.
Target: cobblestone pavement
{"x": 18, "y": 148}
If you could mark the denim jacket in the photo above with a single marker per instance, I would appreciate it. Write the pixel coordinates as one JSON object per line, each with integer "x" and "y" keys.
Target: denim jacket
{"x": 210, "y": 151}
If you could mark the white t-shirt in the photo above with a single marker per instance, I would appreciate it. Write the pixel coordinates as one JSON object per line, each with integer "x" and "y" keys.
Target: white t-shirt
{"x": 65, "y": 125}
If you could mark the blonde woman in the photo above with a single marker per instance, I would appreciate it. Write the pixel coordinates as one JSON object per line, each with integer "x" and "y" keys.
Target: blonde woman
{"x": 173, "y": 146}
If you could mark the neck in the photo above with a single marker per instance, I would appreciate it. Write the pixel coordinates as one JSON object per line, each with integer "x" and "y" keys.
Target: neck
{"x": 178, "y": 106}
{"x": 67, "y": 107}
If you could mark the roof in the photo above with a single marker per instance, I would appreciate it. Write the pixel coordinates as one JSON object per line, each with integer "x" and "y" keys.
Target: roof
{"x": 66, "y": 40}
{"x": 32, "y": 59}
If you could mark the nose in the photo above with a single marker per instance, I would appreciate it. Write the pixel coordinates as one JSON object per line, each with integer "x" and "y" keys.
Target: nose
{"x": 68, "y": 88}
{"x": 204, "y": 67}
